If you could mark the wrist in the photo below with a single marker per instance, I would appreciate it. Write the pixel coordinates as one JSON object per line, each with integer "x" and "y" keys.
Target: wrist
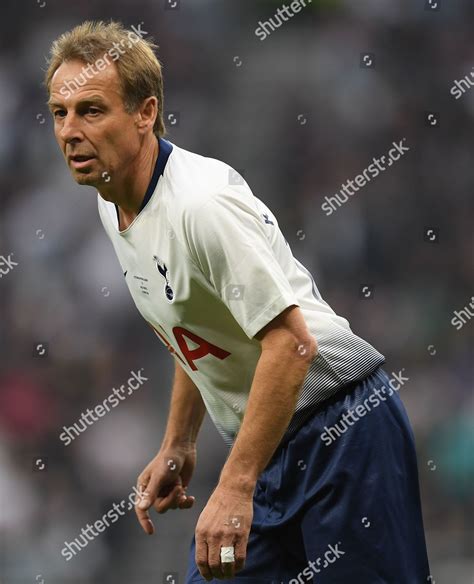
{"x": 174, "y": 443}
{"x": 244, "y": 484}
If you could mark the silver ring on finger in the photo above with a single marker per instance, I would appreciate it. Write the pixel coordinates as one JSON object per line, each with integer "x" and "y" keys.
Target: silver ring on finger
{"x": 227, "y": 554}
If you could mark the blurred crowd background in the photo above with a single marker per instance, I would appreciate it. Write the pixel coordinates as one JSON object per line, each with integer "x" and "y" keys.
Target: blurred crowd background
{"x": 299, "y": 114}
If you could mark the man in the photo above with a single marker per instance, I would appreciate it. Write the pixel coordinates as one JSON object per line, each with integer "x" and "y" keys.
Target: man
{"x": 301, "y": 494}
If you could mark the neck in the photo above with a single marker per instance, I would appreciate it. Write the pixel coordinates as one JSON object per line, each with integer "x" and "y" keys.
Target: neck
{"x": 128, "y": 191}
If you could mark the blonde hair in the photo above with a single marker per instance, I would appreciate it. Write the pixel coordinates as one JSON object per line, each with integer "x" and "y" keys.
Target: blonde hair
{"x": 139, "y": 69}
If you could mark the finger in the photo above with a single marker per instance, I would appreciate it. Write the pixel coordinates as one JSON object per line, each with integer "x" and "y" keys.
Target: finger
{"x": 177, "y": 499}
{"x": 183, "y": 500}
{"x": 142, "y": 481}
{"x": 144, "y": 520}
{"x": 214, "y": 559}
{"x": 240, "y": 552}
{"x": 151, "y": 494}
{"x": 142, "y": 516}
{"x": 162, "y": 504}
{"x": 228, "y": 568}
{"x": 186, "y": 502}
{"x": 201, "y": 558}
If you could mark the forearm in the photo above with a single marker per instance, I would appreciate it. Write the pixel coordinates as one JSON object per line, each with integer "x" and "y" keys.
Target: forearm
{"x": 186, "y": 413}
{"x": 276, "y": 386}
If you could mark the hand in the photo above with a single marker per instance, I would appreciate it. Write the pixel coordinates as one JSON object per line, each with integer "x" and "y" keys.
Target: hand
{"x": 224, "y": 521}
{"x": 163, "y": 483}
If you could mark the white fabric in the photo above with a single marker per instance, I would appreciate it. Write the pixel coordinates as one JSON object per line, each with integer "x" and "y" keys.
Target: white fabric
{"x": 208, "y": 267}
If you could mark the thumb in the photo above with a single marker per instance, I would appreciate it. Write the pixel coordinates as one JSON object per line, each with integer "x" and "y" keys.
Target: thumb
{"x": 149, "y": 494}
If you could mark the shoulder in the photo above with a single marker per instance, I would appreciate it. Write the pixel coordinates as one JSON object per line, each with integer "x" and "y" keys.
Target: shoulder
{"x": 197, "y": 184}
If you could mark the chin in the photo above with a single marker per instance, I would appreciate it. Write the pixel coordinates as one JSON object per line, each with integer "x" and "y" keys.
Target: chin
{"x": 85, "y": 179}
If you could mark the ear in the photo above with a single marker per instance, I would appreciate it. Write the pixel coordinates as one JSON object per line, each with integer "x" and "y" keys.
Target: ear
{"x": 147, "y": 114}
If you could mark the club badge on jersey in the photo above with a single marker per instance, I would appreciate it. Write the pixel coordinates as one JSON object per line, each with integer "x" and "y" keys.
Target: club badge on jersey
{"x": 168, "y": 291}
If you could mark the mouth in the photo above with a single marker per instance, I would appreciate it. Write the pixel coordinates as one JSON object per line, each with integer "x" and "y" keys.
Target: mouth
{"x": 80, "y": 160}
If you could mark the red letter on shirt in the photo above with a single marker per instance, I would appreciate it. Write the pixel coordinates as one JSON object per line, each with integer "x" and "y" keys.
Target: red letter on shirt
{"x": 204, "y": 347}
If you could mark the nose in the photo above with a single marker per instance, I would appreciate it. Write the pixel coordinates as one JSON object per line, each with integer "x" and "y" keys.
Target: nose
{"x": 70, "y": 129}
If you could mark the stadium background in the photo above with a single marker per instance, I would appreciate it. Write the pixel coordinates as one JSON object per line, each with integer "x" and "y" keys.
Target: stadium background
{"x": 299, "y": 114}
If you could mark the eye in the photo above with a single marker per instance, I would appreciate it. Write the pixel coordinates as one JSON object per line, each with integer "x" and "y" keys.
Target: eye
{"x": 59, "y": 113}
{"x": 93, "y": 111}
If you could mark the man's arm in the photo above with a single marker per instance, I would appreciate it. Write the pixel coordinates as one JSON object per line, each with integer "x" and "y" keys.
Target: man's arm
{"x": 186, "y": 413}
{"x": 162, "y": 485}
{"x": 287, "y": 351}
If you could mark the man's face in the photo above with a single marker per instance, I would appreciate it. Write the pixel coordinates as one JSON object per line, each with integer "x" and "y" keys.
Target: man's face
{"x": 96, "y": 135}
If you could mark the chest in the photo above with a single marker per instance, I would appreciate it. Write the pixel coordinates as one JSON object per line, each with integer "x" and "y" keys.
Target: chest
{"x": 166, "y": 285}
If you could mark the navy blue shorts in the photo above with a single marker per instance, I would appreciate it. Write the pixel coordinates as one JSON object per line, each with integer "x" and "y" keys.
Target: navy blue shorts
{"x": 340, "y": 501}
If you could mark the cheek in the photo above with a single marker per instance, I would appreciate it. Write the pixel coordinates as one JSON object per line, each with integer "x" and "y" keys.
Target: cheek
{"x": 58, "y": 138}
{"x": 123, "y": 147}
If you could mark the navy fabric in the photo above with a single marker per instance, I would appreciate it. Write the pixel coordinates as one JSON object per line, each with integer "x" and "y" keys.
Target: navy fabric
{"x": 339, "y": 513}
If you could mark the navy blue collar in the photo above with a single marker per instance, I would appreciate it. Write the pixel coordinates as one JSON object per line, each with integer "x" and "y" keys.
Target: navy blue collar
{"x": 165, "y": 149}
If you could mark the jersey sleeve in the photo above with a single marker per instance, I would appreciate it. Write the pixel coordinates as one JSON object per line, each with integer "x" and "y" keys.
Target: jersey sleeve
{"x": 227, "y": 240}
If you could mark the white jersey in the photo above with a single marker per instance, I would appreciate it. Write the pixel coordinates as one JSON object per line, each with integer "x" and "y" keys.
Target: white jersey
{"x": 208, "y": 267}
